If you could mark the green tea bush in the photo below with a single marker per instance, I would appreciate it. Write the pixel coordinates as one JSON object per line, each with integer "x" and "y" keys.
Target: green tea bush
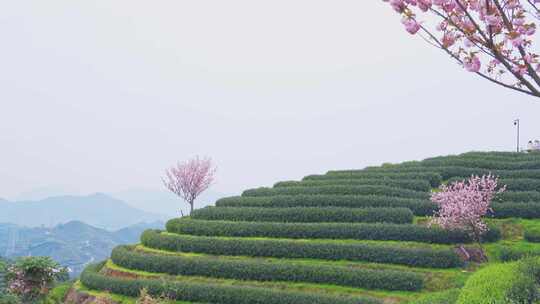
{"x": 338, "y": 190}
{"x": 209, "y": 293}
{"x": 328, "y": 250}
{"x": 512, "y": 184}
{"x": 433, "y": 178}
{"x": 501, "y": 283}
{"x": 508, "y": 254}
{"x": 483, "y": 163}
{"x": 494, "y": 155}
{"x": 379, "y": 231}
{"x": 447, "y": 172}
{"x": 257, "y": 270}
{"x": 518, "y": 196}
{"x": 418, "y": 207}
{"x": 444, "y": 297}
{"x": 306, "y": 214}
{"x": 532, "y": 235}
{"x": 7, "y": 298}
{"x": 521, "y": 184}
{"x": 3, "y": 270}
{"x": 521, "y": 210}
{"x": 411, "y": 184}
{"x": 58, "y": 293}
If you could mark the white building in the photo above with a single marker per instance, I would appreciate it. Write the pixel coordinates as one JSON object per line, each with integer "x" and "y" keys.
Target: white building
{"x": 533, "y": 145}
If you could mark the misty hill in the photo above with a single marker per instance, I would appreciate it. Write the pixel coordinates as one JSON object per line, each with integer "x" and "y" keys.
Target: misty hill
{"x": 74, "y": 244}
{"x": 98, "y": 210}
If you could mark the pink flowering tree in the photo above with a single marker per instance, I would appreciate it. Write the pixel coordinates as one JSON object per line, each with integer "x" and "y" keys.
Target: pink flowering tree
{"x": 462, "y": 205}
{"x": 491, "y": 38}
{"x": 189, "y": 179}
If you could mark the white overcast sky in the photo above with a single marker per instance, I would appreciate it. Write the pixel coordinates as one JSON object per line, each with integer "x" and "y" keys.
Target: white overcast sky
{"x": 104, "y": 95}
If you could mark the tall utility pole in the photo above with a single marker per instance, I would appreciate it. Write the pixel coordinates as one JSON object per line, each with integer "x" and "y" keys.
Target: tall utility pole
{"x": 516, "y": 123}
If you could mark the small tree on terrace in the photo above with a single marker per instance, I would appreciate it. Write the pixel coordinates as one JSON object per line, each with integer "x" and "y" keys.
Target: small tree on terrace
{"x": 463, "y": 204}
{"x": 491, "y": 38}
{"x": 189, "y": 179}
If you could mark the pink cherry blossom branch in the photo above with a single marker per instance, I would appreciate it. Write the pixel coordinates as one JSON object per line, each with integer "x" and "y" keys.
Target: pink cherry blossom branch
{"x": 474, "y": 30}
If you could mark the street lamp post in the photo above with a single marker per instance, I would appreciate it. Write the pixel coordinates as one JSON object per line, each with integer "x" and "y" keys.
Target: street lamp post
{"x": 516, "y": 123}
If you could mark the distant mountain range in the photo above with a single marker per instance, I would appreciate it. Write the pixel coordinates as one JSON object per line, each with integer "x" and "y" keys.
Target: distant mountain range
{"x": 74, "y": 244}
{"x": 162, "y": 201}
{"x": 99, "y": 210}
{"x": 76, "y": 230}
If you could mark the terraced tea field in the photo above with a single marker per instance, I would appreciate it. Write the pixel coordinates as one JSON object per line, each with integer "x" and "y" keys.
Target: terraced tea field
{"x": 344, "y": 237}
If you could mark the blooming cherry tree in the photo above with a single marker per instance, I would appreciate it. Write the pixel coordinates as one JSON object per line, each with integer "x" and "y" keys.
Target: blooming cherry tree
{"x": 189, "y": 179}
{"x": 463, "y": 204}
{"x": 492, "y": 38}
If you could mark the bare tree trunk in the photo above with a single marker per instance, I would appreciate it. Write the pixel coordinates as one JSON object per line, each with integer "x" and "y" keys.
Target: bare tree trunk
{"x": 191, "y": 207}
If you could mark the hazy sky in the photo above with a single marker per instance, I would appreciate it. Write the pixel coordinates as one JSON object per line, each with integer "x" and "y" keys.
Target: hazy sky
{"x": 104, "y": 95}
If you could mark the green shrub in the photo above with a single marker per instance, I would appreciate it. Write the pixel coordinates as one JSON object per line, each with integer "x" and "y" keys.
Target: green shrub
{"x": 500, "y": 283}
{"x": 418, "y": 207}
{"x": 521, "y": 184}
{"x": 58, "y": 294}
{"x": 482, "y": 163}
{"x": 518, "y": 196}
{"x": 508, "y": 254}
{"x": 448, "y": 172}
{"x": 379, "y": 231}
{"x": 338, "y": 190}
{"x": 257, "y": 270}
{"x": 306, "y": 214}
{"x": 391, "y": 254}
{"x": 6, "y": 298}
{"x": 512, "y": 184}
{"x": 209, "y": 293}
{"x": 433, "y": 178}
{"x": 532, "y": 235}
{"x": 3, "y": 270}
{"x": 411, "y": 184}
{"x": 444, "y": 297}
{"x": 521, "y": 210}
{"x": 495, "y": 155}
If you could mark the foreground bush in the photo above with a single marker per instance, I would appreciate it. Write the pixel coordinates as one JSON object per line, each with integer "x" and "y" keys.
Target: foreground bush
{"x": 443, "y": 297}
{"x": 418, "y": 207}
{"x": 31, "y": 278}
{"x": 6, "y": 298}
{"x": 208, "y": 293}
{"x": 417, "y": 257}
{"x": 306, "y": 214}
{"x": 434, "y": 178}
{"x": 58, "y": 293}
{"x": 266, "y": 271}
{"x": 411, "y": 184}
{"x": 379, "y": 231}
{"x": 338, "y": 190}
{"x": 502, "y": 283}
